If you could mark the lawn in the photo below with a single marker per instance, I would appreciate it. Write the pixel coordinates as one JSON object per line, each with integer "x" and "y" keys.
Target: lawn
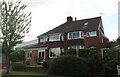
{"x": 24, "y": 74}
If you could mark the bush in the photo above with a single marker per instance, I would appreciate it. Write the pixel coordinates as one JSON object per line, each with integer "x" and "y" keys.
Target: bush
{"x": 18, "y": 66}
{"x": 45, "y": 64}
{"x": 27, "y": 62}
{"x": 17, "y": 55}
{"x": 72, "y": 52}
{"x": 69, "y": 66}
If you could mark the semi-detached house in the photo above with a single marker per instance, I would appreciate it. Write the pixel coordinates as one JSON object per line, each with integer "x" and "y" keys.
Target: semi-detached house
{"x": 75, "y": 34}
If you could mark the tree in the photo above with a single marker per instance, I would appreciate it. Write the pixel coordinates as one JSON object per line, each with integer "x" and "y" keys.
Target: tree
{"x": 14, "y": 26}
{"x": 110, "y": 61}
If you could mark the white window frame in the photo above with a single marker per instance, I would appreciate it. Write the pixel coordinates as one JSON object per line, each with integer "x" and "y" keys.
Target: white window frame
{"x": 60, "y": 37}
{"x": 29, "y": 54}
{"x": 89, "y": 34}
{"x": 45, "y": 39}
{"x": 72, "y": 36}
{"x": 41, "y": 55}
{"x": 76, "y": 47}
{"x": 102, "y": 51}
{"x": 59, "y": 52}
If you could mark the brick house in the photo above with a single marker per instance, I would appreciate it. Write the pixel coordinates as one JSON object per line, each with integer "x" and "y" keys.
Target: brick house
{"x": 75, "y": 34}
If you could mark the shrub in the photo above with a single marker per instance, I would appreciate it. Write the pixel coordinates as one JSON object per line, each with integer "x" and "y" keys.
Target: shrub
{"x": 45, "y": 64}
{"x": 17, "y": 55}
{"x": 83, "y": 52}
{"x": 71, "y": 52}
{"x": 69, "y": 66}
{"x": 18, "y": 66}
{"x": 27, "y": 62}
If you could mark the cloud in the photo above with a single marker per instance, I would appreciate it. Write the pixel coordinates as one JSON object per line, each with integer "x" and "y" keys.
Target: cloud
{"x": 47, "y": 14}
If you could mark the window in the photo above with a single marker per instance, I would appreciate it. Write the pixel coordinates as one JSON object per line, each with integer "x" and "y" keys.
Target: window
{"x": 75, "y": 35}
{"x": 76, "y": 47}
{"x": 92, "y": 34}
{"x": 56, "y": 37}
{"x": 54, "y": 52}
{"x": 104, "y": 50}
{"x": 43, "y": 39}
{"x": 29, "y": 54}
{"x": 86, "y": 23}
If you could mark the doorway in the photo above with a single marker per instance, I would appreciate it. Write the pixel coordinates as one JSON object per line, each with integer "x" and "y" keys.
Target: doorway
{"x": 41, "y": 56}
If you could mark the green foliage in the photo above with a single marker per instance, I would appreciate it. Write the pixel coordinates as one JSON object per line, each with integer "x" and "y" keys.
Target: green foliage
{"x": 17, "y": 55}
{"x": 18, "y": 66}
{"x": 27, "y": 62}
{"x": 70, "y": 66}
{"x": 72, "y": 52}
{"x": 91, "y": 56}
{"x": 110, "y": 61}
{"x": 86, "y": 52}
{"x": 83, "y": 52}
{"x": 45, "y": 64}
{"x": 113, "y": 43}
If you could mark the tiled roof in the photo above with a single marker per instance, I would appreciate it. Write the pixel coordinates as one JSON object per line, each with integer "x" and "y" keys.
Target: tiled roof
{"x": 78, "y": 25}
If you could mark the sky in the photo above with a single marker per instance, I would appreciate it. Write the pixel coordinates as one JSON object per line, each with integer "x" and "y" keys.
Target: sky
{"x": 48, "y": 14}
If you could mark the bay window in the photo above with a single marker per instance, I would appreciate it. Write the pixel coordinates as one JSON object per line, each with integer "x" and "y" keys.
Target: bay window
{"x": 75, "y": 35}
{"x": 55, "y": 37}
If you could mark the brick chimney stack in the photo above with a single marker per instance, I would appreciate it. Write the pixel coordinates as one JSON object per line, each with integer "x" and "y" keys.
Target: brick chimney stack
{"x": 69, "y": 19}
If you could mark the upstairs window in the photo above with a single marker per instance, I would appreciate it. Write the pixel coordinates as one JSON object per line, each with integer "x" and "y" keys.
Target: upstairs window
{"x": 75, "y": 35}
{"x": 29, "y": 54}
{"x": 92, "y": 34}
{"x": 56, "y": 37}
{"x": 43, "y": 39}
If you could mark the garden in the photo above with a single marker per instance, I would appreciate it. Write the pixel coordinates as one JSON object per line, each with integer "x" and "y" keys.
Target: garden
{"x": 86, "y": 63}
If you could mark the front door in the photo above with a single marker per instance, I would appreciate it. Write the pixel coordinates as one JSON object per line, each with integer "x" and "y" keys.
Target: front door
{"x": 41, "y": 56}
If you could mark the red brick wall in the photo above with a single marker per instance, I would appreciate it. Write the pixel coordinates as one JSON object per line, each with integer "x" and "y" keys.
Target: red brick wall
{"x": 33, "y": 59}
{"x": 55, "y": 44}
{"x": 76, "y": 42}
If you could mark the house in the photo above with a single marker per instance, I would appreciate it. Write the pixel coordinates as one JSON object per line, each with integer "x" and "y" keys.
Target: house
{"x": 75, "y": 34}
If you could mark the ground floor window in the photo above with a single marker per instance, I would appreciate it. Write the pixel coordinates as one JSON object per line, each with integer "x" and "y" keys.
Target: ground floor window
{"x": 55, "y": 52}
{"x": 29, "y": 54}
{"x": 76, "y": 47}
{"x": 103, "y": 51}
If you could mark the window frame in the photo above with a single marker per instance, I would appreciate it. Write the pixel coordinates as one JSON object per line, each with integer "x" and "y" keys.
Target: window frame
{"x": 60, "y": 50}
{"x": 74, "y": 35}
{"x": 89, "y": 35}
{"x": 29, "y": 54}
{"x": 76, "y": 47}
{"x": 46, "y": 39}
{"x": 58, "y": 36}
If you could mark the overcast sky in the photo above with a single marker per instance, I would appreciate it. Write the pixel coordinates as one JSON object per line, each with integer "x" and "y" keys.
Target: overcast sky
{"x": 47, "y": 14}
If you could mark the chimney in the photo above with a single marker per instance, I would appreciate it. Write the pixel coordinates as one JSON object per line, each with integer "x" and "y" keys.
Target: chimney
{"x": 69, "y": 19}
{"x": 75, "y": 18}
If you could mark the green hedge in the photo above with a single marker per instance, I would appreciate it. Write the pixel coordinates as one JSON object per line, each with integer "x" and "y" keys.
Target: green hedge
{"x": 18, "y": 66}
{"x": 45, "y": 64}
{"x": 70, "y": 66}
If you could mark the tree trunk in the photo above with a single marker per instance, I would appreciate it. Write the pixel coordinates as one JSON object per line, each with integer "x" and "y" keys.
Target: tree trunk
{"x": 8, "y": 64}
